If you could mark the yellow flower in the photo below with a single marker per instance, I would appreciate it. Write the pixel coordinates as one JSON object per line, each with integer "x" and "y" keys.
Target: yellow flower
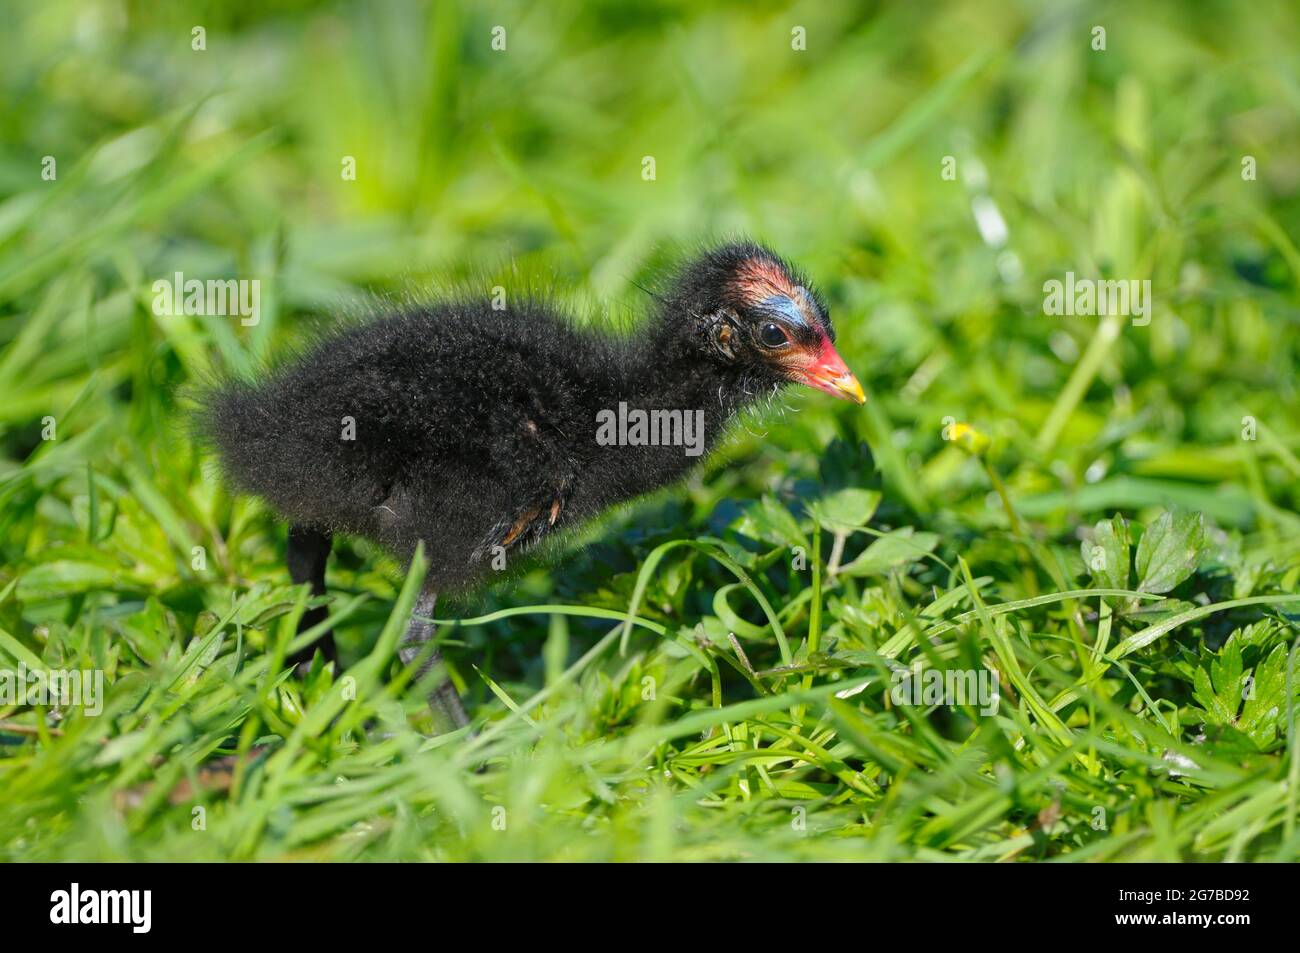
{"x": 967, "y": 437}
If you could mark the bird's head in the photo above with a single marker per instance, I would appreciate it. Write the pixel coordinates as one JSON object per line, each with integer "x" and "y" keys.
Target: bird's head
{"x": 752, "y": 311}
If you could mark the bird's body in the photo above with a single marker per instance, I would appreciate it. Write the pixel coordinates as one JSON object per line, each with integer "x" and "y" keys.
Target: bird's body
{"x": 481, "y": 431}
{"x": 386, "y": 431}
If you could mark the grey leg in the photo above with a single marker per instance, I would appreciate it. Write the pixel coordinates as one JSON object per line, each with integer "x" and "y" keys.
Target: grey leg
{"x": 309, "y": 551}
{"x": 443, "y": 700}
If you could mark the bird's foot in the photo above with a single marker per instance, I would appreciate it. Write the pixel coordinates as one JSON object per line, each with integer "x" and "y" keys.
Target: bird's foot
{"x": 444, "y": 702}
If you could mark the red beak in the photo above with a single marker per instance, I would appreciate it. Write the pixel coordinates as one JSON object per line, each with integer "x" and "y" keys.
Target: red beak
{"x": 829, "y": 373}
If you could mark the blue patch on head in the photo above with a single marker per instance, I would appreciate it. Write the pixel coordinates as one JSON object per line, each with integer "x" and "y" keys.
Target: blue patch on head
{"x": 786, "y": 308}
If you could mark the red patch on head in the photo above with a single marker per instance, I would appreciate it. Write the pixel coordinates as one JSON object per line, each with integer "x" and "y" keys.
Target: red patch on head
{"x": 823, "y": 352}
{"x": 758, "y": 278}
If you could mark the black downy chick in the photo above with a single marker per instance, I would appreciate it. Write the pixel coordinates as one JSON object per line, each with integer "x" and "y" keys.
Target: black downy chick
{"x": 481, "y": 431}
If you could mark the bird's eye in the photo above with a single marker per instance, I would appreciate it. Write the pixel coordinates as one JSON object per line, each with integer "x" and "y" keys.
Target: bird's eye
{"x": 772, "y": 336}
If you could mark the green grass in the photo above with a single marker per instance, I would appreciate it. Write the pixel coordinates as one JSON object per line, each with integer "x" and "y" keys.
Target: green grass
{"x": 706, "y": 674}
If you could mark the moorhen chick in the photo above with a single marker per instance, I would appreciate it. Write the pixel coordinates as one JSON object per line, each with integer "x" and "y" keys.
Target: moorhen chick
{"x": 483, "y": 430}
